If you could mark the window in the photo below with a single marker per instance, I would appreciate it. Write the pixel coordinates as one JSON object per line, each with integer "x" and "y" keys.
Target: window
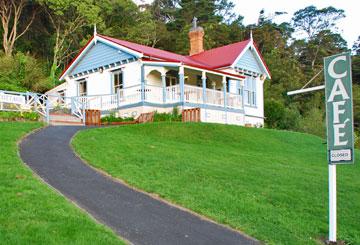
{"x": 250, "y": 91}
{"x": 170, "y": 81}
{"x": 118, "y": 81}
{"x": 82, "y": 87}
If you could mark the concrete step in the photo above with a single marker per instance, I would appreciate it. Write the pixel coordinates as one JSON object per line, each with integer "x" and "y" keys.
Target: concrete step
{"x": 65, "y": 123}
{"x": 65, "y": 119}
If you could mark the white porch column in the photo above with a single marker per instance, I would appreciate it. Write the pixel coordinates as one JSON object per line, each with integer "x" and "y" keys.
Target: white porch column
{"x": 163, "y": 81}
{"x": 203, "y": 78}
{"x": 182, "y": 83}
{"x": 142, "y": 83}
{"x": 224, "y": 88}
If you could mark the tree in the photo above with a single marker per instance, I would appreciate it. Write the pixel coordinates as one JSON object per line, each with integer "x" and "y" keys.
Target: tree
{"x": 356, "y": 46}
{"x": 67, "y": 17}
{"x": 10, "y": 13}
{"x": 312, "y": 21}
{"x": 123, "y": 19}
{"x": 319, "y": 26}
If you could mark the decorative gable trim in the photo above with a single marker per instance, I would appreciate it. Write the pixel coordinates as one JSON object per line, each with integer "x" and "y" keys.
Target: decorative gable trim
{"x": 88, "y": 46}
{"x": 258, "y": 56}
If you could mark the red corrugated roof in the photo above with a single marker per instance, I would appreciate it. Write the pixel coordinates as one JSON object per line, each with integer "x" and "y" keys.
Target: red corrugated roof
{"x": 154, "y": 52}
{"x": 221, "y": 56}
{"x": 211, "y": 59}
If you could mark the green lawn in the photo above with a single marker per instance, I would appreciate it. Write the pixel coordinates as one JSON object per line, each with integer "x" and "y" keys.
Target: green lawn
{"x": 33, "y": 213}
{"x": 270, "y": 184}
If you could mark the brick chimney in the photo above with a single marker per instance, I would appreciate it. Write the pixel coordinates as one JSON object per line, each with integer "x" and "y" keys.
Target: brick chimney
{"x": 196, "y": 36}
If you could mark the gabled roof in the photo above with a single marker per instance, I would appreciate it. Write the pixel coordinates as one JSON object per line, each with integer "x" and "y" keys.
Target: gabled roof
{"x": 212, "y": 59}
{"x": 155, "y": 53}
{"x": 222, "y": 56}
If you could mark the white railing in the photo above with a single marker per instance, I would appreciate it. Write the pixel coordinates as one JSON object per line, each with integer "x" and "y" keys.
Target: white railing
{"x": 127, "y": 96}
{"x": 173, "y": 94}
{"x": 130, "y": 95}
{"x": 18, "y": 101}
{"x": 234, "y": 101}
{"x": 214, "y": 97}
{"x": 193, "y": 94}
{"x": 153, "y": 94}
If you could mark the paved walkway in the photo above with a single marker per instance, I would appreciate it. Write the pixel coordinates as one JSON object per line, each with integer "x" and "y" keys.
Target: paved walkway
{"x": 133, "y": 215}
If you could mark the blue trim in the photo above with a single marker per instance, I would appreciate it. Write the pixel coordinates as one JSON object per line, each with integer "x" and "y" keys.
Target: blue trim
{"x": 168, "y": 65}
{"x": 100, "y": 55}
{"x": 182, "y": 82}
{"x": 111, "y": 82}
{"x": 163, "y": 80}
{"x": 254, "y": 116}
{"x": 225, "y": 97}
{"x": 142, "y": 83}
{"x": 211, "y": 107}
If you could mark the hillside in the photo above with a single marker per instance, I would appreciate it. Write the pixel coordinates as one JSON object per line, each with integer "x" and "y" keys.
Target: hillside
{"x": 31, "y": 212}
{"x": 270, "y": 184}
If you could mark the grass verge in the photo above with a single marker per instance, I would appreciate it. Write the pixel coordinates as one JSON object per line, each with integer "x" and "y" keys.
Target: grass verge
{"x": 270, "y": 184}
{"x": 30, "y": 211}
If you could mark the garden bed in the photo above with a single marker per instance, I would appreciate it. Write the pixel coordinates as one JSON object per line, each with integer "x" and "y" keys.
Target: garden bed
{"x": 14, "y": 116}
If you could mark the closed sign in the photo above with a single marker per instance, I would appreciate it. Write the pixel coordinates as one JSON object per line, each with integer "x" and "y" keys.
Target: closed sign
{"x": 339, "y": 114}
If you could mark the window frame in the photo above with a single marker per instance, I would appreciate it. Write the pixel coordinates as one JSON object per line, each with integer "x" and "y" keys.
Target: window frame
{"x": 120, "y": 77}
{"x": 79, "y": 82}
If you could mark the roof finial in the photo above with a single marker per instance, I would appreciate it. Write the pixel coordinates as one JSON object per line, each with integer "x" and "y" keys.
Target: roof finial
{"x": 95, "y": 30}
{"x": 251, "y": 36}
{"x": 194, "y": 23}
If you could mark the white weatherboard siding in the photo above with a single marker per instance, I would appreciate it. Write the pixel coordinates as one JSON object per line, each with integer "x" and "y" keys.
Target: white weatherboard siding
{"x": 255, "y": 115}
{"x": 102, "y": 83}
{"x": 99, "y": 83}
{"x": 222, "y": 117}
{"x": 132, "y": 74}
{"x": 249, "y": 62}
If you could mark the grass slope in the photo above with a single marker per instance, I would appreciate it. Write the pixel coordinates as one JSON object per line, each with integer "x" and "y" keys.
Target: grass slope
{"x": 31, "y": 212}
{"x": 270, "y": 184}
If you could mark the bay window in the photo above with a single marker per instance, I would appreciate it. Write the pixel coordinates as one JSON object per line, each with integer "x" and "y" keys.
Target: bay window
{"x": 250, "y": 91}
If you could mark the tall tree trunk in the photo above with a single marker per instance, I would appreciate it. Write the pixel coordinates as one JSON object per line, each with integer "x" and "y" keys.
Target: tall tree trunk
{"x": 10, "y": 13}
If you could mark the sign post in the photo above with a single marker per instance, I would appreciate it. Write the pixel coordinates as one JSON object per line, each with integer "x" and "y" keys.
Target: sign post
{"x": 339, "y": 120}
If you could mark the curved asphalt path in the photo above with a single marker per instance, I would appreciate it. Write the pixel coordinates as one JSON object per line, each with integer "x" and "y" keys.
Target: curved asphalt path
{"x": 133, "y": 215}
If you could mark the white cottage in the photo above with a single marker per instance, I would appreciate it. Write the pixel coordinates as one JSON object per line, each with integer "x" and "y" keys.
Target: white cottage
{"x": 113, "y": 75}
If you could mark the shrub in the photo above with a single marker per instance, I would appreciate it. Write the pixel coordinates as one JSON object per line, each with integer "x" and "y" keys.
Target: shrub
{"x": 174, "y": 116}
{"x": 15, "y": 116}
{"x": 313, "y": 123}
{"x": 112, "y": 118}
{"x": 22, "y": 73}
{"x": 280, "y": 117}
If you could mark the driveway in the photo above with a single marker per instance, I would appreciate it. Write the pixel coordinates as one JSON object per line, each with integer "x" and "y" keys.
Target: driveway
{"x": 133, "y": 215}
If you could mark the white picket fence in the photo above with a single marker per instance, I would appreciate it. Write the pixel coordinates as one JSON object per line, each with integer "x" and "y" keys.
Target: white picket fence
{"x": 44, "y": 104}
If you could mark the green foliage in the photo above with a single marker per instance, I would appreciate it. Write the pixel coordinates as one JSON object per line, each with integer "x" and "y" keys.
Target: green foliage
{"x": 269, "y": 184}
{"x": 313, "y": 122}
{"x": 174, "y": 116}
{"x": 112, "y": 118}
{"x": 14, "y": 116}
{"x": 280, "y": 117}
{"x": 22, "y": 73}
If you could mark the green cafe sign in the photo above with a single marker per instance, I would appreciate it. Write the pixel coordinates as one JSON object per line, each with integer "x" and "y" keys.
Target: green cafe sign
{"x": 339, "y": 112}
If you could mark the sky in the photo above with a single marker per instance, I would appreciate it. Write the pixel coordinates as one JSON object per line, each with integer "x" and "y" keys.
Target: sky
{"x": 348, "y": 26}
